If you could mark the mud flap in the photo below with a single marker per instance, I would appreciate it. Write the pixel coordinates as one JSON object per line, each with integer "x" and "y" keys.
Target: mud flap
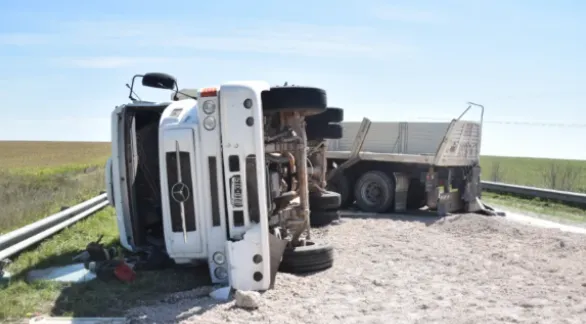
{"x": 401, "y": 191}
{"x": 277, "y": 248}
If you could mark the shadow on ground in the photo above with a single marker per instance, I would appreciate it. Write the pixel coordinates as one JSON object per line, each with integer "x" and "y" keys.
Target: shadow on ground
{"x": 111, "y": 297}
{"x": 114, "y": 298}
{"x": 421, "y": 216}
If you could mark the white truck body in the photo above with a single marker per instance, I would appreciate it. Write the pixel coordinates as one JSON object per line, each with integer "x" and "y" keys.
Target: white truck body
{"x": 197, "y": 145}
{"x": 412, "y": 142}
{"x": 409, "y": 164}
{"x": 393, "y": 137}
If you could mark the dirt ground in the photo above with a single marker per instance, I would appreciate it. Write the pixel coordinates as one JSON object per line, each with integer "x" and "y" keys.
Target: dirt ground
{"x": 462, "y": 269}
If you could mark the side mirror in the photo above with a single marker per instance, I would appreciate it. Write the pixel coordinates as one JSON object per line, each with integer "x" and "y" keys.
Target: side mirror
{"x": 159, "y": 80}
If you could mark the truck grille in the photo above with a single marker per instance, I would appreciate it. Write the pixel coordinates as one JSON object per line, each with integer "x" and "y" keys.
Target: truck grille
{"x": 213, "y": 169}
{"x": 180, "y": 186}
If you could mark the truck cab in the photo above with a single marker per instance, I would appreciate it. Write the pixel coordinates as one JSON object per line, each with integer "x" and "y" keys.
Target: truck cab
{"x": 191, "y": 177}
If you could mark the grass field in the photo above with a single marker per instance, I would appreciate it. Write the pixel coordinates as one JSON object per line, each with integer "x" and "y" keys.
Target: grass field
{"x": 569, "y": 175}
{"x": 37, "y": 178}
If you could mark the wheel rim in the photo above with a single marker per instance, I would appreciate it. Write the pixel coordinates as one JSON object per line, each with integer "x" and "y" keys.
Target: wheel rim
{"x": 372, "y": 193}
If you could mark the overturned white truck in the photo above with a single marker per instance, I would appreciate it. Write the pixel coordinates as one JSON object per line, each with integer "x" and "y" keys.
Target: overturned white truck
{"x": 394, "y": 166}
{"x": 219, "y": 175}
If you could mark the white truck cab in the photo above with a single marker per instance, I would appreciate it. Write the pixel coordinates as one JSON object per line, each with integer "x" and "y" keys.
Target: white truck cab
{"x": 190, "y": 176}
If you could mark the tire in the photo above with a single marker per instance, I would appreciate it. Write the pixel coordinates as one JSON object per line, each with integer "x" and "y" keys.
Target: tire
{"x": 324, "y": 131}
{"x": 381, "y": 195}
{"x": 331, "y": 115}
{"x": 327, "y": 200}
{"x": 320, "y": 218}
{"x": 341, "y": 185}
{"x": 288, "y": 99}
{"x": 310, "y": 258}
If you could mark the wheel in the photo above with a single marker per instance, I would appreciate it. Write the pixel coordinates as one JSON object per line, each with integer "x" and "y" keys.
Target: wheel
{"x": 415, "y": 194}
{"x": 331, "y": 115}
{"x": 326, "y": 200}
{"x": 374, "y": 192}
{"x": 288, "y": 99}
{"x": 312, "y": 257}
{"x": 341, "y": 185}
{"x": 324, "y": 131}
{"x": 319, "y": 218}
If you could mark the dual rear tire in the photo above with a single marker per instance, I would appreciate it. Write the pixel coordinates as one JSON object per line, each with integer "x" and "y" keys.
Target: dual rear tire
{"x": 373, "y": 191}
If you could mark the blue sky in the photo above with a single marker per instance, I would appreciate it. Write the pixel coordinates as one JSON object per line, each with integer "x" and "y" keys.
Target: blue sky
{"x": 63, "y": 64}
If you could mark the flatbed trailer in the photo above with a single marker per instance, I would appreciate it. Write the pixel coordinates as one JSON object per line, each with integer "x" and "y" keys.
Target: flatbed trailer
{"x": 395, "y": 166}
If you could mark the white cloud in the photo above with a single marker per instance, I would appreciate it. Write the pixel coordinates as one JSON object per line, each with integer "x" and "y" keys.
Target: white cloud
{"x": 166, "y": 40}
{"x": 108, "y": 62}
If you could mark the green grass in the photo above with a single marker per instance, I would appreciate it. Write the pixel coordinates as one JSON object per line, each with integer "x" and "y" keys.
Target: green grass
{"x": 569, "y": 175}
{"x": 539, "y": 207}
{"x": 37, "y": 179}
{"x": 95, "y": 298}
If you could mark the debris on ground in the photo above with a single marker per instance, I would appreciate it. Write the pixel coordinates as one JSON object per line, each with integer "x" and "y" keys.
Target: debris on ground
{"x": 74, "y": 273}
{"x": 247, "y": 299}
{"x": 4, "y": 275}
{"x": 96, "y": 261}
{"x": 221, "y": 294}
{"x": 77, "y": 320}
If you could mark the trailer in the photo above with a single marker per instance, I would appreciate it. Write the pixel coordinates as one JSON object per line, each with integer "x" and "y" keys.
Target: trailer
{"x": 395, "y": 166}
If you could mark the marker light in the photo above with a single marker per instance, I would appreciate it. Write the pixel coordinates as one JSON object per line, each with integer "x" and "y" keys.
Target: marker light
{"x": 221, "y": 273}
{"x": 209, "y": 123}
{"x": 219, "y": 258}
{"x": 208, "y": 92}
{"x": 209, "y": 107}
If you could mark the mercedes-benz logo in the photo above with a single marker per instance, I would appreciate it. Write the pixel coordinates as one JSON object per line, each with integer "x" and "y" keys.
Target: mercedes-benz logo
{"x": 180, "y": 192}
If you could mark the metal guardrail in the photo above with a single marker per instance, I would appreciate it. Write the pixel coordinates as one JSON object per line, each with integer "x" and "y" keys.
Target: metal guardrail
{"x": 18, "y": 240}
{"x": 562, "y": 196}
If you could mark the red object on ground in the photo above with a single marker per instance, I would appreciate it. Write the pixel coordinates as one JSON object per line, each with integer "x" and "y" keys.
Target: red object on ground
{"x": 124, "y": 272}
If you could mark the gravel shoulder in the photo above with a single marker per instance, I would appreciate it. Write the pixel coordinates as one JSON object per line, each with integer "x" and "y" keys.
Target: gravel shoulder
{"x": 461, "y": 269}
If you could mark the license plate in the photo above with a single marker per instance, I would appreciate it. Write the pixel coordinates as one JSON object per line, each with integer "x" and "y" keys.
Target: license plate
{"x": 236, "y": 191}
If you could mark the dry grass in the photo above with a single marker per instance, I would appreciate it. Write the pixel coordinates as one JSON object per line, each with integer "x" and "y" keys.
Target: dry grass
{"x": 38, "y": 178}
{"x": 27, "y": 157}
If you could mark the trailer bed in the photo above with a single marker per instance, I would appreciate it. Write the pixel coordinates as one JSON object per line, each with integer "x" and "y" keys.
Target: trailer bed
{"x": 439, "y": 144}
{"x": 384, "y": 157}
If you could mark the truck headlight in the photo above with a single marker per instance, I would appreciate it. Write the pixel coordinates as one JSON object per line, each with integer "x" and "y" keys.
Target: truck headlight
{"x": 221, "y": 273}
{"x": 209, "y": 107}
{"x": 209, "y": 123}
{"x": 219, "y": 258}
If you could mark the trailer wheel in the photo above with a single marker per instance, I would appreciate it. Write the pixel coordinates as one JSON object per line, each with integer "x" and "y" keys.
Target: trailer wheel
{"x": 319, "y": 218}
{"x": 341, "y": 185}
{"x": 325, "y": 200}
{"x": 312, "y": 257}
{"x": 308, "y": 100}
{"x": 374, "y": 192}
{"x": 331, "y": 115}
{"x": 324, "y": 131}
